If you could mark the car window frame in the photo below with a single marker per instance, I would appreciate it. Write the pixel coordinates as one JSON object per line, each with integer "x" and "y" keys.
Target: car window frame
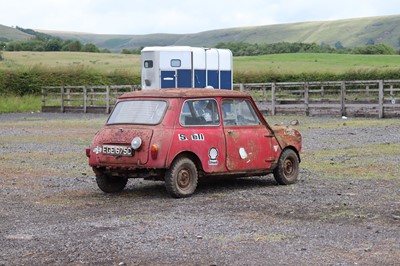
{"x": 144, "y": 99}
{"x": 249, "y": 104}
{"x": 200, "y": 125}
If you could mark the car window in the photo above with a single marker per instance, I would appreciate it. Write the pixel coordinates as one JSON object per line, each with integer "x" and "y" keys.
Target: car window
{"x": 239, "y": 112}
{"x": 199, "y": 112}
{"x": 148, "y": 112}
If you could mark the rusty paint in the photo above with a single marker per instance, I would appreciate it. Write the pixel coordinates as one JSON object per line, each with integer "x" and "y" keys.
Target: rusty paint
{"x": 287, "y": 136}
{"x": 261, "y": 145}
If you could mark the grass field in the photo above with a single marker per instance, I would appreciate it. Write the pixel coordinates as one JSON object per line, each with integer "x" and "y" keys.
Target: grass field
{"x": 101, "y": 62}
{"x": 20, "y": 104}
{"x": 280, "y": 63}
{"x": 299, "y": 63}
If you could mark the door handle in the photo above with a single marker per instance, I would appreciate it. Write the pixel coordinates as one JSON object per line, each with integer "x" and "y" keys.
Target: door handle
{"x": 230, "y": 131}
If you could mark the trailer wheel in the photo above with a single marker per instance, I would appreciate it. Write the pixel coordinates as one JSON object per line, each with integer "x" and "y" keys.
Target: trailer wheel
{"x": 181, "y": 178}
{"x": 110, "y": 184}
{"x": 287, "y": 170}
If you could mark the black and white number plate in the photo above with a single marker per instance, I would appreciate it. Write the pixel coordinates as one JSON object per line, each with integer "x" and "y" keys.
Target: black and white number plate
{"x": 115, "y": 150}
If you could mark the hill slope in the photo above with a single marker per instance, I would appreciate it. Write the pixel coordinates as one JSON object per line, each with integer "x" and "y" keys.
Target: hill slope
{"x": 9, "y": 33}
{"x": 349, "y": 32}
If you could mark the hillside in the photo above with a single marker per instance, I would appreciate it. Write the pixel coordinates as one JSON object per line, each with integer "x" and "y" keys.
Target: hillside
{"x": 9, "y": 33}
{"x": 350, "y": 33}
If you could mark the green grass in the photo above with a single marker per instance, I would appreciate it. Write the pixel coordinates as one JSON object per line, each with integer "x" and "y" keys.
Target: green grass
{"x": 317, "y": 63}
{"x": 20, "y": 104}
{"x": 279, "y": 63}
{"x": 104, "y": 63}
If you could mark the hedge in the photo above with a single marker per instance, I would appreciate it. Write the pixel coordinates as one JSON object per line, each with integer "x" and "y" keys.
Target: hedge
{"x": 22, "y": 82}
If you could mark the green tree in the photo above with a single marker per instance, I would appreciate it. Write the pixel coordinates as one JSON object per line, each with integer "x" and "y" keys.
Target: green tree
{"x": 53, "y": 45}
{"x": 72, "y": 46}
{"x": 374, "y": 49}
{"x": 370, "y": 42}
{"x": 91, "y": 48}
{"x": 338, "y": 45}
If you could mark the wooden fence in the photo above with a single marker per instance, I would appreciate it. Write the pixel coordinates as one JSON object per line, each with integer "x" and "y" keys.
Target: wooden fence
{"x": 86, "y": 99}
{"x": 373, "y": 98}
{"x": 370, "y": 98}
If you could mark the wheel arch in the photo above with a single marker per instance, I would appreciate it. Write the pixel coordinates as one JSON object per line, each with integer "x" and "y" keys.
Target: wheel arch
{"x": 294, "y": 149}
{"x": 192, "y": 156}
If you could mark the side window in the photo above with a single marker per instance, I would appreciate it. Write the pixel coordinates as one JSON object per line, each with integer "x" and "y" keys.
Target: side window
{"x": 239, "y": 113}
{"x": 175, "y": 63}
{"x": 199, "y": 112}
{"x": 148, "y": 64}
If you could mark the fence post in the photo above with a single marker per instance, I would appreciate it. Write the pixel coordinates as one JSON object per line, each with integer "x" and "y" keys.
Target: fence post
{"x": 68, "y": 92}
{"x": 91, "y": 96}
{"x": 241, "y": 87}
{"x": 343, "y": 98}
{"x": 107, "y": 99}
{"x": 306, "y": 98}
{"x": 43, "y": 98}
{"x": 273, "y": 98}
{"x": 381, "y": 97}
{"x": 84, "y": 99}
{"x": 62, "y": 99}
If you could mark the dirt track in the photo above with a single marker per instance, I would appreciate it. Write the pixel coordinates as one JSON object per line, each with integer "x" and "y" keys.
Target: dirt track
{"x": 344, "y": 211}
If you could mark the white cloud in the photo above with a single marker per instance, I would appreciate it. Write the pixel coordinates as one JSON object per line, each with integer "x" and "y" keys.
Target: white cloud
{"x": 175, "y": 16}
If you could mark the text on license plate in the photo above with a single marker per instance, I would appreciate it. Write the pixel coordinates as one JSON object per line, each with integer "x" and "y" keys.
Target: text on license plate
{"x": 117, "y": 150}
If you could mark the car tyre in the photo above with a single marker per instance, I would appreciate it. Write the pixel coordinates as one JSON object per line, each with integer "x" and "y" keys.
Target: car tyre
{"x": 181, "y": 178}
{"x": 287, "y": 170}
{"x": 110, "y": 184}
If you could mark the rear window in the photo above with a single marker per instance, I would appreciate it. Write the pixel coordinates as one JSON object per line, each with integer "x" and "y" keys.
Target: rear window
{"x": 148, "y": 112}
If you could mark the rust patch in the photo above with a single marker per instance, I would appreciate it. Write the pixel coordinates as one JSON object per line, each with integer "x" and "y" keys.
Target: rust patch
{"x": 287, "y": 136}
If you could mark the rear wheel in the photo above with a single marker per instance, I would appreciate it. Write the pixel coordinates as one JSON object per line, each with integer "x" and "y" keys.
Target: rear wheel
{"x": 110, "y": 184}
{"x": 181, "y": 178}
{"x": 287, "y": 171}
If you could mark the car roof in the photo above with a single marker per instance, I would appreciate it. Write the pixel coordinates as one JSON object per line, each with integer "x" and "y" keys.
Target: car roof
{"x": 183, "y": 93}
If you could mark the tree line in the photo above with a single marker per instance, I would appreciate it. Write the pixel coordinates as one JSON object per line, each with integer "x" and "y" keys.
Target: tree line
{"x": 252, "y": 49}
{"x": 42, "y": 42}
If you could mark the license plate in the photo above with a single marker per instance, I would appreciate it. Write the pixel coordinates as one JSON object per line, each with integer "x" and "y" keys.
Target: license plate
{"x": 115, "y": 150}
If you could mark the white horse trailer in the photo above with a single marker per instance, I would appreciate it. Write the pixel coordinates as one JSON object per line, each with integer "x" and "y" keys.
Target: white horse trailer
{"x": 186, "y": 67}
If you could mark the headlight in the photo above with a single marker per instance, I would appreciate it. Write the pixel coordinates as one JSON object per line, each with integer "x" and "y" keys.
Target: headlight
{"x": 136, "y": 143}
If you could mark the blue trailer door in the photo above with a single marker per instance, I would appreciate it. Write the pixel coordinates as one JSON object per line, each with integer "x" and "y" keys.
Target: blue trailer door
{"x": 226, "y": 80}
{"x": 199, "y": 78}
{"x": 168, "y": 79}
{"x": 184, "y": 78}
{"x": 213, "y": 78}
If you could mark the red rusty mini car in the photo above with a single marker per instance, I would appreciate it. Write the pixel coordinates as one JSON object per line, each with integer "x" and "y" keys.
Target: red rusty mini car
{"x": 181, "y": 135}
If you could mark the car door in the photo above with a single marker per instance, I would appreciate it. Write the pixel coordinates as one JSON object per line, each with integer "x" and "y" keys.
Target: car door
{"x": 248, "y": 141}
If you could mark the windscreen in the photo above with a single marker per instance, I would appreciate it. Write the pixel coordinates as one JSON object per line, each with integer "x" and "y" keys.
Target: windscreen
{"x": 148, "y": 112}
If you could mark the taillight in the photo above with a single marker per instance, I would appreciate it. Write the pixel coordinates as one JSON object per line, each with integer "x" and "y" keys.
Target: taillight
{"x": 88, "y": 151}
{"x": 154, "y": 152}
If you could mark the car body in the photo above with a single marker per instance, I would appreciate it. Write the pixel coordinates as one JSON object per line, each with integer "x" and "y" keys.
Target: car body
{"x": 180, "y": 135}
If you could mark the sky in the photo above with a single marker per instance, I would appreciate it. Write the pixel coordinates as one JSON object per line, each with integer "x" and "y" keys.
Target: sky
{"x": 175, "y": 16}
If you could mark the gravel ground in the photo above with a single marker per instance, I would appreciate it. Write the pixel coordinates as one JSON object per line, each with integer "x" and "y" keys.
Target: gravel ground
{"x": 52, "y": 212}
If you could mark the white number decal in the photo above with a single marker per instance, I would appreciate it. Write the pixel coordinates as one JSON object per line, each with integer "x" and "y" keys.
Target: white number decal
{"x": 198, "y": 137}
{"x": 182, "y": 137}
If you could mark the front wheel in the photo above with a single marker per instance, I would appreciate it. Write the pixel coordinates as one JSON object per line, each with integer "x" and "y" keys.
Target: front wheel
{"x": 110, "y": 184}
{"x": 181, "y": 178}
{"x": 287, "y": 171}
